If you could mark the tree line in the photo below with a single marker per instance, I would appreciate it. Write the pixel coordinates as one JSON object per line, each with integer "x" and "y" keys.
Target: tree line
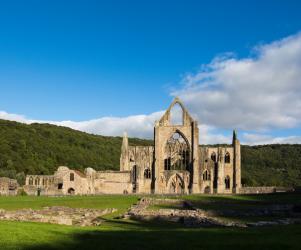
{"x": 41, "y": 148}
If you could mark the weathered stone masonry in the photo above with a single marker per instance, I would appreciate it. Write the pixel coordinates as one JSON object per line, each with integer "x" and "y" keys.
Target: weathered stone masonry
{"x": 175, "y": 164}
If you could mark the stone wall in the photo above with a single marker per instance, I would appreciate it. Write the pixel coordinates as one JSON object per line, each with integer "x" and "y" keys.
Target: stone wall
{"x": 8, "y": 186}
{"x": 257, "y": 190}
{"x": 265, "y": 190}
{"x": 113, "y": 182}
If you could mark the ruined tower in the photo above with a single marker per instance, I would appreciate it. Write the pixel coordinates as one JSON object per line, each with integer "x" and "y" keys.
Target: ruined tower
{"x": 124, "y": 157}
{"x": 236, "y": 163}
{"x": 176, "y": 153}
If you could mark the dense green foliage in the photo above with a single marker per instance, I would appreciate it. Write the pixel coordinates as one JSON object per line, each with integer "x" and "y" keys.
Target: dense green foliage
{"x": 276, "y": 165}
{"x": 41, "y": 148}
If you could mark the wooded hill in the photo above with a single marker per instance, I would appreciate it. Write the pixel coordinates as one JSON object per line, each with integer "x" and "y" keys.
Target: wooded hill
{"x": 41, "y": 148}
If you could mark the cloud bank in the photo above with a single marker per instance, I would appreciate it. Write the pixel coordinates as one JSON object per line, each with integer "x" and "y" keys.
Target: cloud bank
{"x": 259, "y": 93}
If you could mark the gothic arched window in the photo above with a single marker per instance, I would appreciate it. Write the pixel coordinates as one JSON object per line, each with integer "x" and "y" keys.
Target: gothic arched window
{"x": 227, "y": 182}
{"x": 147, "y": 173}
{"x": 176, "y": 115}
{"x": 37, "y": 181}
{"x": 213, "y": 156}
{"x": 227, "y": 157}
{"x": 206, "y": 175}
{"x": 177, "y": 153}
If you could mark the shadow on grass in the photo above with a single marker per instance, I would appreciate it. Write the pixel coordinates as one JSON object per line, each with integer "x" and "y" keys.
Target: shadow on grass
{"x": 241, "y": 202}
{"x": 168, "y": 238}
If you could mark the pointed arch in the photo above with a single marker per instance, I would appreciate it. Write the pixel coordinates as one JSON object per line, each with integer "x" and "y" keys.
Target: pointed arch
{"x": 71, "y": 191}
{"x": 213, "y": 156}
{"x": 166, "y": 118}
{"x": 177, "y": 152}
{"x": 176, "y": 184}
{"x": 30, "y": 182}
{"x": 227, "y": 158}
{"x": 176, "y": 115}
{"x": 147, "y": 173}
{"x": 37, "y": 181}
{"x": 206, "y": 175}
{"x": 227, "y": 182}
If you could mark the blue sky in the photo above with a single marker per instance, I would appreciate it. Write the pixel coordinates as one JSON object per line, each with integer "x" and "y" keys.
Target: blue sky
{"x": 86, "y": 60}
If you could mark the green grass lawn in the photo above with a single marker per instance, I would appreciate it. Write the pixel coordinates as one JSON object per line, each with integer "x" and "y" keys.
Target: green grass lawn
{"x": 127, "y": 234}
{"x": 130, "y": 235}
{"x": 120, "y": 202}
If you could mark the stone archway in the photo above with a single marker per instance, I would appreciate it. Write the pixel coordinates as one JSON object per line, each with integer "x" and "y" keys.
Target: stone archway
{"x": 207, "y": 190}
{"x": 177, "y": 152}
{"x": 71, "y": 191}
{"x": 176, "y": 185}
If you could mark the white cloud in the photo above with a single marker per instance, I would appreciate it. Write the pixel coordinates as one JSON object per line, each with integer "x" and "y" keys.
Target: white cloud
{"x": 252, "y": 94}
{"x": 256, "y": 93}
{"x": 136, "y": 125}
{"x": 259, "y": 139}
{"x": 141, "y": 126}
{"x": 13, "y": 117}
{"x": 210, "y": 135}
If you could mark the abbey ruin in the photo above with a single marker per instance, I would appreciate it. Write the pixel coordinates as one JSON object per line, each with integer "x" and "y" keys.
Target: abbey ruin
{"x": 175, "y": 164}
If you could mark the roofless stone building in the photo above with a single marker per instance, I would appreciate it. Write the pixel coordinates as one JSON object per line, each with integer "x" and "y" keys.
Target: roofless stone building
{"x": 175, "y": 164}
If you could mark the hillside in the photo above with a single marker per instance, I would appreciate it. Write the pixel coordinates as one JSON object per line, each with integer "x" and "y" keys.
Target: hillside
{"x": 41, "y": 148}
{"x": 276, "y": 164}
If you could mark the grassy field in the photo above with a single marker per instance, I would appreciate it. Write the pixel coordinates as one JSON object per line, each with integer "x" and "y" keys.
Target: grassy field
{"x": 126, "y": 234}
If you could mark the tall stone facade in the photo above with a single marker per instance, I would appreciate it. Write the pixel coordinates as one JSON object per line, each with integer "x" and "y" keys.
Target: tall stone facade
{"x": 175, "y": 164}
{"x": 178, "y": 164}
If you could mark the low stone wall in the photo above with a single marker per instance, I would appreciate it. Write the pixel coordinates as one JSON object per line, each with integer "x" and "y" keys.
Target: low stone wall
{"x": 264, "y": 190}
{"x": 257, "y": 190}
{"x": 58, "y": 215}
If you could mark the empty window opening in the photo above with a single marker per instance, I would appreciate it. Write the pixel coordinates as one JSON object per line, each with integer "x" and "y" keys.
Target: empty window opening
{"x": 207, "y": 190}
{"x": 176, "y": 115}
{"x": 71, "y": 191}
{"x": 213, "y": 156}
{"x": 147, "y": 173}
{"x": 177, "y": 153}
{"x": 206, "y": 175}
{"x": 227, "y": 157}
{"x": 227, "y": 182}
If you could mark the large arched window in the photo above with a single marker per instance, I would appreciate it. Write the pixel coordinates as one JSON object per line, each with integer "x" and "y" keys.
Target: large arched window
{"x": 206, "y": 175}
{"x": 134, "y": 174}
{"x": 213, "y": 156}
{"x": 147, "y": 173}
{"x": 177, "y": 153}
{"x": 176, "y": 115}
{"x": 227, "y": 182}
{"x": 227, "y": 157}
{"x": 37, "y": 181}
{"x": 30, "y": 181}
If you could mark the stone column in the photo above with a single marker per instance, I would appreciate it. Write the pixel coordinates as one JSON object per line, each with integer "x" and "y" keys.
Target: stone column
{"x": 221, "y": 171}
{"x": 236, "y": 164}
{"x": 195, "y": 158}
